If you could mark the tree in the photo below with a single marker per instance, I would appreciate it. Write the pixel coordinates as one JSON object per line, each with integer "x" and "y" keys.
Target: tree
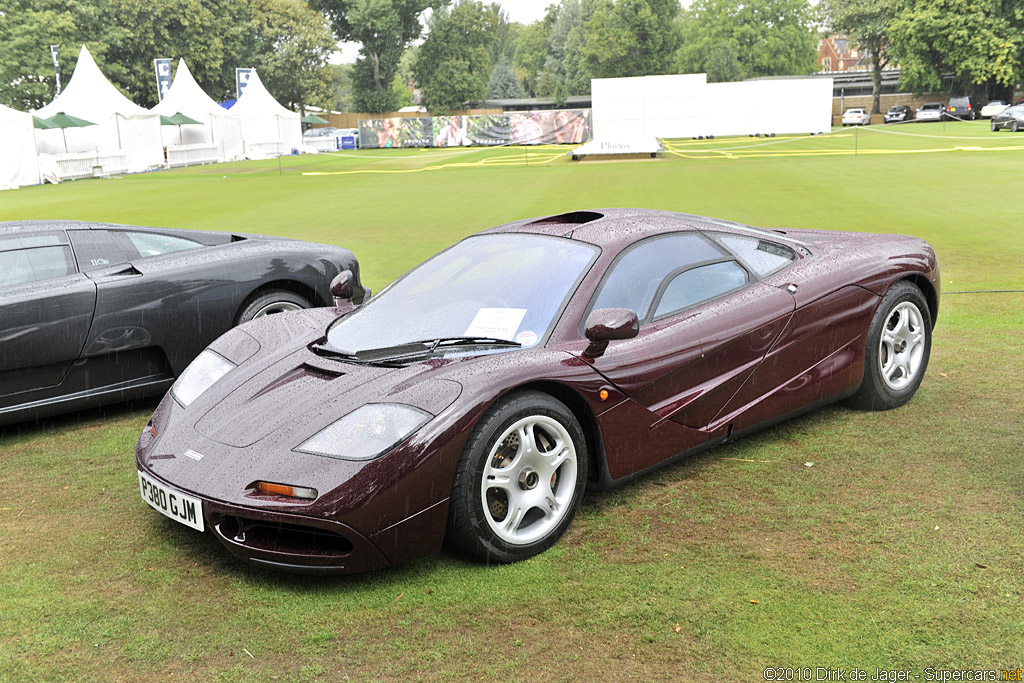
{"x": 530, "y": 53}
{"x": 732, "y": 40}
{"x": 869, "y": 24}
{"x": 723, "y": 65}
{"x": 284, "y": 39}
{"x": 27, "y": 29}
{"x": 503, "y": 85}
{"x": 631, "y": 38}
{"x": 384, "y": 29}
{"x": 979, "y": 41}
{"x": 454, "y": 64}
{"x": 289, "y": 45}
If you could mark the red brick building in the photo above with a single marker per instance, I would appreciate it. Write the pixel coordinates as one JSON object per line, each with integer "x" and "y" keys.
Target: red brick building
{"x": 837, "y": 53}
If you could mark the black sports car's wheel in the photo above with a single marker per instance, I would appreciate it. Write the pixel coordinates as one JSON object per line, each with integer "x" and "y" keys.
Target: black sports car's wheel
{"x": 898, "y": 346}
{"x": 519, "y": 480}
{"x": 269, "y": 303}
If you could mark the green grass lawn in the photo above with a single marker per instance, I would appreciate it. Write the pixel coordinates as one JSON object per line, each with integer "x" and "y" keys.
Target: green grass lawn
{"x": 900, "y": 548}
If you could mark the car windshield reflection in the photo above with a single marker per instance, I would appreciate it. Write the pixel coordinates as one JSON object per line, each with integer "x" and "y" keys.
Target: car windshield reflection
{"x": 497, "y": 290}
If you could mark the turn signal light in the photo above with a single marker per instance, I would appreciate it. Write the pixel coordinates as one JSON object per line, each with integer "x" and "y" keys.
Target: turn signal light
{"x": 285, "y": 490}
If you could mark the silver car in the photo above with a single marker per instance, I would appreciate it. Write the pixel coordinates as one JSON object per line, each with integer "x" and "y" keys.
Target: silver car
{"x": 929, "y": 112}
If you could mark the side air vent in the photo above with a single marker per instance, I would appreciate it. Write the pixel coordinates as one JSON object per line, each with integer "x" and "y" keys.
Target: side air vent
{"x": 574, "y": 217}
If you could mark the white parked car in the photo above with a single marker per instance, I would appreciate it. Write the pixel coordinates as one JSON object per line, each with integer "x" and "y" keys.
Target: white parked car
{"x": 929, "y": 112}
{"x": 993, "y": 108}
{"x": 856, "y": 117}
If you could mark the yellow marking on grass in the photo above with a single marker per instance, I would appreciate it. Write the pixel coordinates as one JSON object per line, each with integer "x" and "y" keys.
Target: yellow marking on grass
{"x": 505, "y": 160}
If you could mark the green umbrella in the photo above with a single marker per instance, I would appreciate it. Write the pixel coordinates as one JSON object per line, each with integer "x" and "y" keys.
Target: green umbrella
{"x": 313, "y": 118}
{"x": 42, "y": 124}
{"x": 178, "y": 120}
{"x": 63, "y": 121}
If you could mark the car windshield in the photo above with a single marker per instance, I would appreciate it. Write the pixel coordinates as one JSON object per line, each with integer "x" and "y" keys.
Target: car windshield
{"x": 931, "y": 106}
{"x": 497, "y": 286}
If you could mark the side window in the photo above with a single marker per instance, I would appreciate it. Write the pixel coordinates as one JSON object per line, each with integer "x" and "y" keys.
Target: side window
{"x": 21, "y": 266}
{"x": 636, "y": 277}
{"x": 762, "y": 256}
{"x": 700, "y": 284}
{"x": 155, "y": 244}
{"x": 95, "y": 249}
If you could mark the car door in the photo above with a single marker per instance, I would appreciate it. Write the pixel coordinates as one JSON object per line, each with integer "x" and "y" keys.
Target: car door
{"x": 706, "y": 322}
{"x": 162, "y": 294}
{"x": 46, "y": 307}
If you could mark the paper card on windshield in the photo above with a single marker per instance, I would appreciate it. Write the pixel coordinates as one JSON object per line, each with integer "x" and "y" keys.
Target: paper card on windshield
{"x": 496, "y": 323}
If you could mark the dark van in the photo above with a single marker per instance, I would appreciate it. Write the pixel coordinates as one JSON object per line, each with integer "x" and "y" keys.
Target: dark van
{"x": 961, "y": 108}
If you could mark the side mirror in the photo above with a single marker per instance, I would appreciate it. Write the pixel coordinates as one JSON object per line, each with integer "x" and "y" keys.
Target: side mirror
{"x": 341, "y": 287}
{"x": 608, "y": 324}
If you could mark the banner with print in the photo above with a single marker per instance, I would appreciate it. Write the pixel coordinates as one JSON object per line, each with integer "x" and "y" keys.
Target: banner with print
{"x": 241, "y": 80}
{"x": 489, "y": 129}
{"x": 561, "y": 127}
{"x": 54, "y": 50}
{"x": 564, "y": 126}
{"x": 163, "y": 77}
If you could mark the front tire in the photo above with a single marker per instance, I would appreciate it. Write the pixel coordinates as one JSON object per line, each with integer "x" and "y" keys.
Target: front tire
{"x": 520, "y": 479}
{"x": 898, "y": 347}
{"x": 271, "y": 302}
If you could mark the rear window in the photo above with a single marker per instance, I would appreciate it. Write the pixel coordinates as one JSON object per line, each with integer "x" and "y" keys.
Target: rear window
{"x": 762, "y": 256}
{"x": 154, "y": 244}
{"x": 959, "y": 102}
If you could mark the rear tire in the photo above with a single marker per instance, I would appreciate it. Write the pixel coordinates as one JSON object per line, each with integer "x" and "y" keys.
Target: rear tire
{"x": 271, "y": 302}
{"x": 898, "y": 346}
{"x": 520, "y": 479}
{"x": 1014, "y": 127}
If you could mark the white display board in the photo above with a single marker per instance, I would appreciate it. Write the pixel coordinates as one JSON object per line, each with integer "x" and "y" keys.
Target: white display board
{"x": 686, "y": 105}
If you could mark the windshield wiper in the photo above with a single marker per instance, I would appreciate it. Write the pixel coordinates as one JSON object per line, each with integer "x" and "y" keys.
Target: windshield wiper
{"x": 468, "y": 341}
{"x": 329, "y": 352}
{"x": 406, "y": 351}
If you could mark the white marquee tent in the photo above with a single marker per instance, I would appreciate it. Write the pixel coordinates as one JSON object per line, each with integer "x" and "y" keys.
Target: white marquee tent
{"x": 19, "y": 164}
{"x": 267, "y": 127}
{"x": 220, "y": 127}
{"x": 123, "y": 127}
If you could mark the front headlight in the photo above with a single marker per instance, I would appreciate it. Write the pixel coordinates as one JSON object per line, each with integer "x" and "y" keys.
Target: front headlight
{"x": 207, "y": 368}
{"x": 366, "y": 432}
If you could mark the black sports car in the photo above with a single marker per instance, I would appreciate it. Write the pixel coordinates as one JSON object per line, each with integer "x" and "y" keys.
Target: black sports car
{"x": 1011, "y": 118}
{"x": 92, "y": 313}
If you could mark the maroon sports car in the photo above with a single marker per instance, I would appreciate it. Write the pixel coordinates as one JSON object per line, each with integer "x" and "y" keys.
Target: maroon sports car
{"x": 476, "y": 397}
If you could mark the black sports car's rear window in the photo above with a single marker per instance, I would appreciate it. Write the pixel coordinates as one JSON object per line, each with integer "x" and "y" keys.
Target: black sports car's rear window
{"x": 155, "y": 244}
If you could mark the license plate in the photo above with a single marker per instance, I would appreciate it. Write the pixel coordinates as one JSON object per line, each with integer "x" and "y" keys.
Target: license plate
{"x": 171, "y": 502}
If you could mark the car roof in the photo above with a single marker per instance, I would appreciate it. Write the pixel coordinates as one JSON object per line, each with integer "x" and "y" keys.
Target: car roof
{"x": 618, "y": 227}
